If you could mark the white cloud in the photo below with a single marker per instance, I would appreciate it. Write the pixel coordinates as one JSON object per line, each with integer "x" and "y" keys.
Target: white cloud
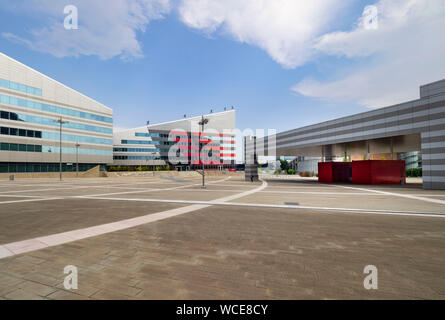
{"x": 286, "y": 29}
{"x": 106, "y": 28}
{"x": 407, "y": 50}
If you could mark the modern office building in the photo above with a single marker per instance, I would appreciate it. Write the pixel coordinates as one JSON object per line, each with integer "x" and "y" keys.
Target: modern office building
{"x": 413, "y": 126}
{"x": 179, "y": 144}
{"x": 31, "y": 107}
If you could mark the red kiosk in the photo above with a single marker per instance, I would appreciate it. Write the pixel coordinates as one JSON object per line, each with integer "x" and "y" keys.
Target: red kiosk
{"x": 363, "y": 172}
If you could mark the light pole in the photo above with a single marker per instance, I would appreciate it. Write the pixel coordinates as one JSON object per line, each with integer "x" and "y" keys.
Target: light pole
{"x": 60, "y": 122}
{"x": 202, "y": 123}
{"x": 77, "y": 159}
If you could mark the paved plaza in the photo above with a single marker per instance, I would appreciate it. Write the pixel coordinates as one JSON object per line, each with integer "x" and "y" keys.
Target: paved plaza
{"x": 166, "y": 238}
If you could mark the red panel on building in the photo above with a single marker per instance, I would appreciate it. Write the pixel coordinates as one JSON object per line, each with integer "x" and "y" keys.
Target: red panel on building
{"x": 378, "y": 172}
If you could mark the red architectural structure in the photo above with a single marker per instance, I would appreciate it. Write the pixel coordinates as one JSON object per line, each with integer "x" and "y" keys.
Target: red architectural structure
{"x": 363, "y": 172}
{"x": 378, "y": 172}
{"x": 330, "y": 172}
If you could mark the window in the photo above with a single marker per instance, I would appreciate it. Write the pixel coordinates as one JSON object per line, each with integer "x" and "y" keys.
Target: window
{"x": 4, "y": 130}
{"x": 38, "y": 134}
{"x": 13, "y": 131}
{"x": 30, "y": 133}
{"x": 22, "y": 147}
{"x": 13, "y": 85}
{"x": 4, "y": 146}
{"x": 30, "y": 148}
{"x": 22, "y": 132}
{"x": 51, "y": 122}
{"x": 3, "y": 167}
{"x": 38, "y": 149}
{"x": 13, "y": 147}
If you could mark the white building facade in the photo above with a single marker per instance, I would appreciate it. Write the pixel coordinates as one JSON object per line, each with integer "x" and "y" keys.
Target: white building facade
{"x": 179, "y": 144}
{"x": 31, "y": 106}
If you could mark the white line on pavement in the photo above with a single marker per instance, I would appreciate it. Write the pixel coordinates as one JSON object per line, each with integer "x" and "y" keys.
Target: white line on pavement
{"x": 408, "y": 196}
{"x": 10, "y": 249}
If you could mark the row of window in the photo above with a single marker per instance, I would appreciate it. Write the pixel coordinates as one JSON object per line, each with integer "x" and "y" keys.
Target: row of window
{"x": 52, "y": 136}
{"x": 20, "y": 132}
{"x": 84, "y": 151}
{"x": 139, "y": 142}
{"x": 20, "y": 87}
{"x": 137, "y": 150}
{"x": 76, "y": 138}
{"x": 11, "y": 167}
{"x": 152, "y": 135}
{"x": 20, "y": 147}
{"x": 51, "y": 122}
{"x": 49, "y": 108}
{"x": 137, "y": 158}
{"x": 4, "y": 146}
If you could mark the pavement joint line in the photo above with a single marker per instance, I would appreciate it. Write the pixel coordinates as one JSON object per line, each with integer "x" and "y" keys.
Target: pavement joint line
{"x": 32, "y": 200}
{"x": 20, "y": 196}
{"x": 72, "y": 187}
{"x": 49, "y": 197}
{"x": 395, "y": 194}
{"x": 276, "y": 206}
{"x": 19, "y": 247}
{"x": 155, "y": 190}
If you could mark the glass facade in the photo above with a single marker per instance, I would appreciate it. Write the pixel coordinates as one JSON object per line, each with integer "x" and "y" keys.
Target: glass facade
{"x": 75, "y": 138}
{"x": 20, "y": 87}
{"x": 19, "y": 147}
{"x": 51, "y": 122}
{"x": 52, "y": 136}
{"x": 85, "y": 151}
{"x": 139, "y": 142}
{"x": 4, "y": 146}
{"x": 20, "y": 132}
{"x": 137, "y": 150}
{"x": 137, "y": 158}
{"x": 13, "y": 167}
{"x": 50, "y": 108}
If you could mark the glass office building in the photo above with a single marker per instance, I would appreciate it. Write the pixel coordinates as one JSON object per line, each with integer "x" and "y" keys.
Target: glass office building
{"x": 31, "y": 104}
{"x": 179, "y": 144}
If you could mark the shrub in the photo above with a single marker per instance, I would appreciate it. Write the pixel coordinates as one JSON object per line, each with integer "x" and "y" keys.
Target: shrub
{"x": 415, "y": 172}
{"x": 291, "y": 171}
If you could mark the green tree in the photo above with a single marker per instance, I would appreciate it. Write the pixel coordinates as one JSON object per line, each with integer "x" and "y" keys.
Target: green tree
{"x": 284, "y": 165}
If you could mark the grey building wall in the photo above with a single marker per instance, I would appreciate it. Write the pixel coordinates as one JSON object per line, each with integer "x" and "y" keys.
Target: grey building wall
{"x": 417, "y": 125}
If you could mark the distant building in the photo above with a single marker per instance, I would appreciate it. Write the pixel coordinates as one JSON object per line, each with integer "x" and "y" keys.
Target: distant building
{"x": 178, "y": 144}
{"x": 413, "y": 160}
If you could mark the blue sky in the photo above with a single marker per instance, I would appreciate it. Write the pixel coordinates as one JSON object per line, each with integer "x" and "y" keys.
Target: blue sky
{"x": 174, "y": 59}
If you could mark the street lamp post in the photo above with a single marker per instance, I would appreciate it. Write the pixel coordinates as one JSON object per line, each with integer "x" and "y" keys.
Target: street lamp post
{"x": 60, "y": 122}
{"x": 202, "y": 123}
{"x": 77, "y": 159}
